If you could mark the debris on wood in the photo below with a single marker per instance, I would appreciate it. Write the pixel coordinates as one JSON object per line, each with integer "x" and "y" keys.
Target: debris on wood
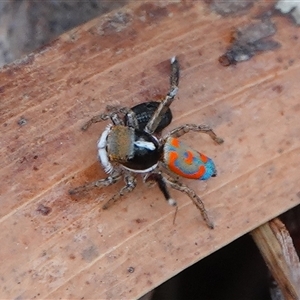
{"x": 231, "y": 7}
{"x": 248, "y": 41}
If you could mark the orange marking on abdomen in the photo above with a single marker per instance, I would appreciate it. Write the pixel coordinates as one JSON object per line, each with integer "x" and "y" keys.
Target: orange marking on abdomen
{"x": 174, "y": 142}
{"x": 184, "y": 161}
{"x": 203, "y": 157}
{"x": 172, "y": 158}
{"x": 199, "y": 174}
{"x": 189, "y": 158}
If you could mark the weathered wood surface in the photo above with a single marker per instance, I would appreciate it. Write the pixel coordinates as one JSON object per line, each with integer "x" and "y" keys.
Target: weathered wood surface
{"x": 279, "y": 253}
{"x": 55, "y": 246}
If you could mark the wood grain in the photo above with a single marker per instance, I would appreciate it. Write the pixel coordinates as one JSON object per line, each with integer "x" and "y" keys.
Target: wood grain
{"x": 55, "y": 246}
{"x": 279, "y": 253}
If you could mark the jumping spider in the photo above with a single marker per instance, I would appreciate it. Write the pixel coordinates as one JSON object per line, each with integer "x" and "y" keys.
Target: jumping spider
{"x": 132, "y": 145}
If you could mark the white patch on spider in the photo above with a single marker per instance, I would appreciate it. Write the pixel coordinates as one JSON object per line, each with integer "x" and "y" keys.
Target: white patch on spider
{"x": 102, "y": 154}
{"x": 173, "y": 59}
{"x": 173, "y": 92}
{"x": 107, "y": 166}
{"x": 141, "y": 171}
{"x": 172, "y": 202}
{"x": 144, "y": 144}
{"x": 102, "y": 141}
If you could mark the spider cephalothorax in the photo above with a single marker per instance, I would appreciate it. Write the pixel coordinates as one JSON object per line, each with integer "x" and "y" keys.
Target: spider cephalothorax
{"x": 133, "y": 144}
{"x": 137, "y": 150}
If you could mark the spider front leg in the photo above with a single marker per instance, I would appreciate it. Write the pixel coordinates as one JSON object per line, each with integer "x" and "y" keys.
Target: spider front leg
{"x": 181, "y": 130}
{"x": 194, "y": 197}
{"x": 129, "y": 187}
{"x": 164, "y": 105}
{"x": 131, "y": 119}
{"x": 112, "y": 114}
{"x": 98, "y": 183}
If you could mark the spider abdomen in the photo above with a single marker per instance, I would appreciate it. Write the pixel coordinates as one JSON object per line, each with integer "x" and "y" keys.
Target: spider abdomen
{"x": 187, "y": 162}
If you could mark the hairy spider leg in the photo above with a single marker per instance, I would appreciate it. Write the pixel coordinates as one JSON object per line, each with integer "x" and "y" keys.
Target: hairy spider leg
{"x": 112, "y": 179}
{"x": 132, "y": 120}
{"x": 160, "y": 180}
{"x": 181, "y": 130}
{"x": 130, "y": 181}
{"x": 174, "y": 77}
{"x": 193, "y": 196}
{"x": 164, "y": 105}
{"x": 103, "y": 117}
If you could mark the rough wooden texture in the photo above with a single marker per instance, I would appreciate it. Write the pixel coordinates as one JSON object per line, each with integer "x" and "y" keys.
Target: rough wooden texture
{"x": 55, "y": 246}
{"x": 276, "y": 246}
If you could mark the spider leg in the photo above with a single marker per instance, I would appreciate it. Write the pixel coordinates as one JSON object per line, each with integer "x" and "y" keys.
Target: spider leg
{"x": 181, "y": 130}
{"x": 115, "y": 118}
{"x": 174, "y": 77}
{"x": 164, "y": 105}
{"x": 116, "y": 109}
{"x": 160, "y": 180}
{"x": 95, "y": 119}
{"x": 112, "y": 114}
{"x": 132, "y": 120}
{"x": 194, "y": 197}
{"x": 129, "y": 187}
{"x": 98, "y": 183}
